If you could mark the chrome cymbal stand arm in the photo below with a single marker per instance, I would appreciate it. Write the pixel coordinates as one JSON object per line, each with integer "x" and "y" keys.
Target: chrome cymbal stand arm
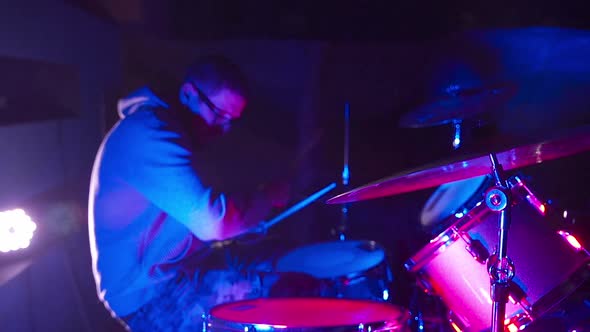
{"x": 457, "y": 134}
{"x": 500, "y": 268}
{"x": 345, "y": 173}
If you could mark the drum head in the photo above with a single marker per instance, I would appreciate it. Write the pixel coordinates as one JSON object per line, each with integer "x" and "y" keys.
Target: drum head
{"x": 308, "y": 312}
{"x": 448, "y": 199}
{"x": 332, "y": 259}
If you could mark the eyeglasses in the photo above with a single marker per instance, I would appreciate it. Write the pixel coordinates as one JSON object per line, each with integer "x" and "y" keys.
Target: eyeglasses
{"x": 218, "y": 111}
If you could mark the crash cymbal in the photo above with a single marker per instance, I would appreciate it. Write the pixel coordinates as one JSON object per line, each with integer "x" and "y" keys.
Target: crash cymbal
{"x": 576, "y": 141}
{"x": 459, "y": 103}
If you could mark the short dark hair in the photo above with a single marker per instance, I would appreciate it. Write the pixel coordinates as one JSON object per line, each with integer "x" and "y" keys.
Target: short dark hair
{"x": 212, "y": 73}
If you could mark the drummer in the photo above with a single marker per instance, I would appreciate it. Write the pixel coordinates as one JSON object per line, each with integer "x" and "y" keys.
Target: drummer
{"x": 150, "y": 209}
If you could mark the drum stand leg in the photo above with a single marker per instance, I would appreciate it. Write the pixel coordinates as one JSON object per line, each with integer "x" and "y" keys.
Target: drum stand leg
{"x": 417, "y": 321}
{"x": 500, "y": 267}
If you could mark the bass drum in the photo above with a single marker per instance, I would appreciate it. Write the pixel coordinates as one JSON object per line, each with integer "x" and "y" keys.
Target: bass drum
{"x": 346, "y": 269}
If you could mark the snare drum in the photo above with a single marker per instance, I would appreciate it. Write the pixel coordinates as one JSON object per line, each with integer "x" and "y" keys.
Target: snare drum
{"x": 549, "y": 264}
{"x": 347, "y": 269}
{"x": 307, "y": 314}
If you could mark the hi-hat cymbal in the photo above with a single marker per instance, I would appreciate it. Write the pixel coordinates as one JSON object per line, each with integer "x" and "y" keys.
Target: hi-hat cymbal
{"x": 576, "y": 141}
{"x": 459, "y": 103}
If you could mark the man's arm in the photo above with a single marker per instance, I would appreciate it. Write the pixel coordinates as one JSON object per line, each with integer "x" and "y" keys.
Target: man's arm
{"x": 155, "y": 158}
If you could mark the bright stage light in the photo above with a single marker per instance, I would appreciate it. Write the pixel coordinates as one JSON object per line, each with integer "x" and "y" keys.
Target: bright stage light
{"x": 16, "y": 230}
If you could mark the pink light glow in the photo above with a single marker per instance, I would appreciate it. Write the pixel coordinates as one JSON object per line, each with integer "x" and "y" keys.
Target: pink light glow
{"x": 512, "y": 328}
{"x": 571, "y": 240}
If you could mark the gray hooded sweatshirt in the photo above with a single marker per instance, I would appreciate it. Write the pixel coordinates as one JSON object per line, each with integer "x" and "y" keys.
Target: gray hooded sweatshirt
{"x": 147, "y": 203}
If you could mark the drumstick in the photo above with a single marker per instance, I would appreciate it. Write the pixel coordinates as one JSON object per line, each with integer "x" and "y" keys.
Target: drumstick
{"x": 266, "y": 224}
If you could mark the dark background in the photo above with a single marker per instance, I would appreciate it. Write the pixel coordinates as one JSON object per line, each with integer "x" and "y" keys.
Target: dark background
{"x": 305, "y": 60}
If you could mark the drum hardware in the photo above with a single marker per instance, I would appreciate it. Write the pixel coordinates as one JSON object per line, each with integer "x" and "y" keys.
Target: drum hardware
{"x": 427, "y": 310}
{"x": 500, "y": 267}
{"x": 517, "y": 295}
{"x": 342, "y": 228}
{"x": 475, "y": 248}
{"x": 425, "y": 286}
{"x": 346, "y": 268}
{"x": 417, "y": 317}
{"x": 497, "y": 204}
{"x": 530, "y": 196}
{"x": 457, "y": 134}
{"x": 457, "y": 104}
{"x": 563, "y": 217}
{"x": 533, "y": 299}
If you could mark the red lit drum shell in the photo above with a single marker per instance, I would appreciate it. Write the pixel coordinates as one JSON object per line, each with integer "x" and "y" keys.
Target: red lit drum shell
{"x": 543, "y": 260}
{"x": 307, "y": 315}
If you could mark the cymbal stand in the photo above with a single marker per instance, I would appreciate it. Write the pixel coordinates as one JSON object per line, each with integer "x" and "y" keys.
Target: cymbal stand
{"x": 453, "y": 91}
{"x": 500, "y": 267}
{"x": 345, "y": 173}
{"x": 457, "y": 134}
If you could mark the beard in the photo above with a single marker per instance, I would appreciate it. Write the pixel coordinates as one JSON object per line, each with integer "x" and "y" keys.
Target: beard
{"x": 199, "y": 129}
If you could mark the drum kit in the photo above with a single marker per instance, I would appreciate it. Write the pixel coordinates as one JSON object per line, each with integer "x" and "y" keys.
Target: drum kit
{"x": 498, "y": 260}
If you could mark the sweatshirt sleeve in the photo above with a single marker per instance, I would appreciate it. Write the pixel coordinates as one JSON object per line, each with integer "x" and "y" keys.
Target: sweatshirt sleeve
{"x": 156, "y": 159}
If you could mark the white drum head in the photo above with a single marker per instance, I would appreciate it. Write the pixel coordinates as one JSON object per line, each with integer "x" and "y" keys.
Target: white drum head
{"x": 448, "y": 198}
{"x": 332, "y": 259}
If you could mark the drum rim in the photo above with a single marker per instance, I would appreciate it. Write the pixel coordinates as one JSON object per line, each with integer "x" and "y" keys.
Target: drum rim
{"x": 372, "y": 326}
{"x": 450, "y": 234}
{"x": 402, "y": 314}
{"x": 470, "y": 219}
{"x": 447, "y": 237}
{"x": 561, "y": 291}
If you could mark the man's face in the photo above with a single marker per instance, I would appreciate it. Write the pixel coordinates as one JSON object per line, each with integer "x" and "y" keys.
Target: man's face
{"x": 221, "y": 108}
